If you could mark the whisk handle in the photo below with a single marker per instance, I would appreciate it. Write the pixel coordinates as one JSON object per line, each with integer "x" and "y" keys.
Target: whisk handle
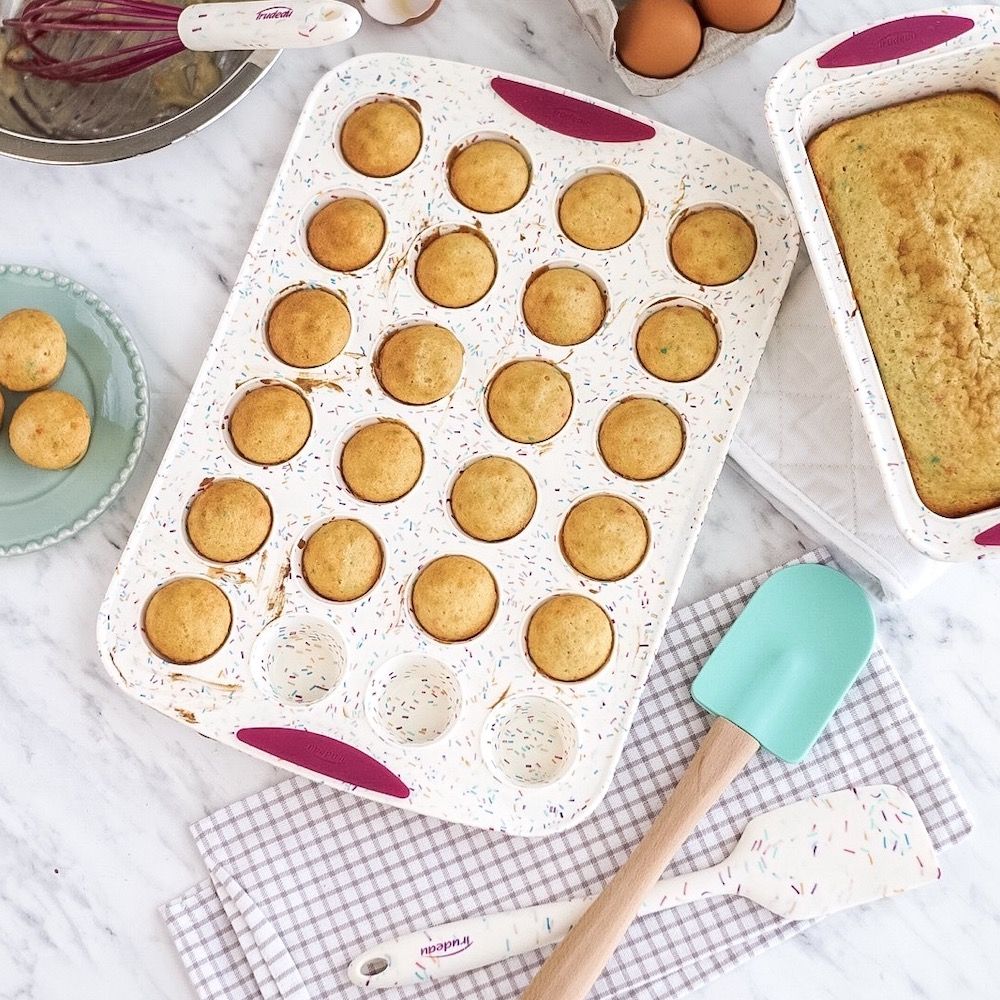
{"x": 265, "y": 24}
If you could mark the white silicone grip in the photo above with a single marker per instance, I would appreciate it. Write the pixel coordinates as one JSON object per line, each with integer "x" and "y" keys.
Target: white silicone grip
{"x": 448, "y": 949}
{"x": 261, "y": 24}
{"x": 463, "y": 945}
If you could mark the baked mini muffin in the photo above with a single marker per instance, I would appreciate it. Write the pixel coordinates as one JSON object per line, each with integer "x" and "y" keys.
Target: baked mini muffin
{"x": 342, "y": 560}
{"x": 229, "y": 520}
{"x": 601, "y": 211}
{"x": 346, "y": 235}
{"x": 50, "y": 430}
{"x": 380, "y": 139}
{"x": 677, "y": 343}
{"x": 456, "y": 269}
{"x": 641, "y": 438}
{"x": 529, "y": 401}
{"x": 604, "y": 537}
{"x": 569, "y": 637}
{"x": 1, "y": 409}
{"x": 187, "y": 620}
{"x": 270, "y": 424}
{"x": 489, "y": 176}
{"x": 454, "y": 598}
{"x": 493, "y": 499}
{"x": 564, "y": 306}
{"x": 308, "y": 327}
{"x": 32, "y": 350}
{"x": 382, "y": 461}
{"x": 713, "y": 246}
{"x": 419, "y": 364}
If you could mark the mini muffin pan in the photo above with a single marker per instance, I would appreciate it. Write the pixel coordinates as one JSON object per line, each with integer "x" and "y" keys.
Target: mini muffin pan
{"x": 357, "y": 694}
{"x": 944, "y": 49}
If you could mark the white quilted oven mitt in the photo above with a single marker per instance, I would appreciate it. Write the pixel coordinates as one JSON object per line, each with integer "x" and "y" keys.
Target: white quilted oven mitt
{"x": 802, "y": 443}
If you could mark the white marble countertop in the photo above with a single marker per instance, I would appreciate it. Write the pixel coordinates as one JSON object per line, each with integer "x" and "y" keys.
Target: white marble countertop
{"x": 96, "y": 791}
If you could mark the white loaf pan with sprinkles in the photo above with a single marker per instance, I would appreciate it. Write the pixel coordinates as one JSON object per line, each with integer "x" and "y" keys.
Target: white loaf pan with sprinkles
{"x": 945, "y": 49}
{"x": 357, "y": 694}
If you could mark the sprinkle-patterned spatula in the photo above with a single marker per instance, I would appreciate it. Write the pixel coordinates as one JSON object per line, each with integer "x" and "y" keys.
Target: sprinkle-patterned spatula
{"x": 801, "y": 862}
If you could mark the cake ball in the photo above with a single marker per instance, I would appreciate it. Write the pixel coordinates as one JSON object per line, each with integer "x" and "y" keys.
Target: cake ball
{"x": 454, "y": 598}
{"x": 342, "y": 560}
{"x": 308, "y": 327}
{"x": 382, "y": 461}
{"x": 564, "y": 306}
{"x": 570, "y": 637}
{"x": 346, "y": 235}
{"x": 50, "y": 430}
{"x": 601, "y": 211}
{"x": 456, "y": 269}
{"x": 493, "y": 499}
{"x": 229, "y": 520}
{"x": 32, "y": 350}
{"x": 381, "y": 139}
{"x": 713, "y": 246}
{"x": 420, "y": 364}
{"x": 489, "y": 176}
{"x": 187, "y": 620}
{"x": 641, "y": 439}
{"x": 270, "y": 424}
{"x": 604, "y": 537}
{"x": 677, "y": 343}
{"x": 529, "y": 401}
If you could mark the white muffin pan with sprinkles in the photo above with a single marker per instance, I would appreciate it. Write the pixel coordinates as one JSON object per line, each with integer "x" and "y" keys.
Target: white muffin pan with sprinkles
{"x": 934, "y": 51}
{"x": 357, "y": 694}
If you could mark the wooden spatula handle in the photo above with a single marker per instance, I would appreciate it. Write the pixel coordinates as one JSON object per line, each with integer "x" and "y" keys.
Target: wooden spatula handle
{"x": 574, "y": 966}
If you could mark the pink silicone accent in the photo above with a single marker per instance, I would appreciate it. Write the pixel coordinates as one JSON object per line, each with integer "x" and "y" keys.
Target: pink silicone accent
{"x": 570, "y": 116}
{"x": 325, "y": 756}
{"x": 991, "y": 536}
{"x": 895, "y": 39}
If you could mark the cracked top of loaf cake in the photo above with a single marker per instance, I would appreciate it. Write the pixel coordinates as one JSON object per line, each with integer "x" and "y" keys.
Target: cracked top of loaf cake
{"x": 913, "y": 194}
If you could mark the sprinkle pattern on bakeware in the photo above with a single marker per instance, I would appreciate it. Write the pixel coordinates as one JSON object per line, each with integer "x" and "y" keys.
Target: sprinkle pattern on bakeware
{"x": 472, "y": 729}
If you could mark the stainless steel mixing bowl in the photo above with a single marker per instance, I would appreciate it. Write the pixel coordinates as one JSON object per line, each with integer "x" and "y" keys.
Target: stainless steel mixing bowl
{"x": 93, "y": 123}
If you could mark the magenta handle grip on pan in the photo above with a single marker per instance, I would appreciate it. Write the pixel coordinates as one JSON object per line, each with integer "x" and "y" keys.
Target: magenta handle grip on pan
{"x": 991, "y": 536}
{"x": 570, "y": 116}
{"x": 905, "y": 36}
{"x": 324, "y": 755}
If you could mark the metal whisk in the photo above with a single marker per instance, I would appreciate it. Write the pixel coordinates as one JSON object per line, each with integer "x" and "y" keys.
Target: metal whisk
{"x": 40, "y": 31}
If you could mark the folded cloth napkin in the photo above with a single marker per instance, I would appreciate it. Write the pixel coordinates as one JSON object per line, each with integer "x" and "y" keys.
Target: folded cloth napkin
{"x": 304, "y": 878}
{"x": 802, "y": 443}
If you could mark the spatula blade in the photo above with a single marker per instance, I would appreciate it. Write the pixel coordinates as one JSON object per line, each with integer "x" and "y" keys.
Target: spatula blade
{"x": 786, "y": 663}
{"x": 827, "y": 853}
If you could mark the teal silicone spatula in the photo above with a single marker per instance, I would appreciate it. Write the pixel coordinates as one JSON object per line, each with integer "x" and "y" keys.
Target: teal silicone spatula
{"x": 773, "y": 681}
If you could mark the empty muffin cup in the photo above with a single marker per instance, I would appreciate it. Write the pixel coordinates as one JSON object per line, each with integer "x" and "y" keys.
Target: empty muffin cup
{"x": 414, "y": 699}
{"x": 529, "y": 741}
{"x": 299, "y": 659}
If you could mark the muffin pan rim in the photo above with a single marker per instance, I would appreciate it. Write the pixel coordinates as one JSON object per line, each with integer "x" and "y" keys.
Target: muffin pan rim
{"x": 538, "y": 809}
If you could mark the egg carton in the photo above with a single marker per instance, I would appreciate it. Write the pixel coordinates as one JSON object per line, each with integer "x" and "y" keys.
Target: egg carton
{"x": 358, "y": 695}
{"x": 889, "y": 62}
{"x": 600, "y": 18}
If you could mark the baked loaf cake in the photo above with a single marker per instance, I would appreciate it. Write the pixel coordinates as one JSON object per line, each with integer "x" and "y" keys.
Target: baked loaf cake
{"x": 913, "y": 194}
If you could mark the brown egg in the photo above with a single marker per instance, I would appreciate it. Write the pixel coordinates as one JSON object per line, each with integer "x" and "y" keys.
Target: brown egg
{"x": 658, "y": 38}
{"x": 739, "y": 15}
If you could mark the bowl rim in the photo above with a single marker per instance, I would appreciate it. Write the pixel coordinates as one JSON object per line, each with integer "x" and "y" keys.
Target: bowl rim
{"x": 38, "y": 149}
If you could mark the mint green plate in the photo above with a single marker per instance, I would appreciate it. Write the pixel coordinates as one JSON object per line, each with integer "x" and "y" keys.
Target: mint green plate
{"x": 103, "y": 369}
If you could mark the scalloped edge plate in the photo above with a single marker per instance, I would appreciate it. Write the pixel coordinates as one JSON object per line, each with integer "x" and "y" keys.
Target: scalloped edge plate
{"x": 104, "y": 365}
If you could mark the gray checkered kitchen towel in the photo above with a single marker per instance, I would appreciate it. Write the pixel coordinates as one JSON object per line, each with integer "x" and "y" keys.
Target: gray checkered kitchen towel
{"x": 304, "y": 878}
